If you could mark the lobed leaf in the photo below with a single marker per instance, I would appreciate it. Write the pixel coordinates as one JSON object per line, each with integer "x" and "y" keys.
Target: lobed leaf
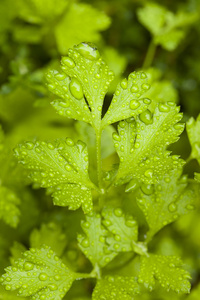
{"x": 116, "y": 287}
{"x": 9, "y": 202}
{"x": 123, "y": 230}
{"x": 61, "y": 166}
{"x": 164, "y": 202}
{"x": 167, "y": 270}
{"x": 167, "y": 28}
{"x": 129, "y": 97}
{"x": 80, "y": 22}
{"x": 38, "y": 12}
{"x": 39, "y": 274}
{"x": 88, "y": 84}
{"x": 51, "y": 235}
{"x": 93, "y": 242}
{"x": 141, "y": 144}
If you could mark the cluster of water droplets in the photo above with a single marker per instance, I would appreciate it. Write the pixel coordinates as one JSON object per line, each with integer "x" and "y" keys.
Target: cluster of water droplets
{"x": 128, "y": 99}
{"x": 167, "y": 271}
{"x": 74, "y": 196}
{"x": 93, "y": 243}
{"x": 40, "y": 273}
{"x": 121, "y": 237}
{"x": 141, "y": 143}
{"x": 167, "y": 199}
{"x": 116, "y": 287}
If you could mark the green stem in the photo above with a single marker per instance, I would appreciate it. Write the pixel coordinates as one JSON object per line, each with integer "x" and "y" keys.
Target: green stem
{"x": 99, "y": 164}
{"x": 150, "y": 55}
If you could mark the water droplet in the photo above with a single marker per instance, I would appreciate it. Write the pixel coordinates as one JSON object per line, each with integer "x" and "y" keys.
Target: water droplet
{"x": 134, "y": 104}
{"x": 190, "y": 207}
{"x": 68, "y": 62}
{"x": 43, "y": 276}
{"x": 107, "y": 223}
{"x": 130, "y": 223}
{"x": 146, "y": 117}
{"x": 116, "y": 137}
{"x": 118, "y": 212}
{"x": 102, "y": 239}
{"x": 60, "y": 76}
{"x": 146, "y": 86}
{"x": 29, "y": 145}
{"x": 85, "y": 243}
{"x": 131, "y": 186}
{"x": 147, "y": 189}
{"x": 68, "y": 167}
{"x": 76, "y": 89}
{"x": 88, "y": 50}
{"x": 124, "y": 83}
{"x": 122, "y": 124}
{"x": 116, "y": 246}
{"x": 137, "y": 145}
{"x": 172, "y": 207}
{"x": 52, "y": 287}
{"x": 117, "y": 238}
{"x": 28, "y": 266}
{"x": 163, "y": 107}
{"x": 8, "y": 287}
{"x": 69, "y": 142}
{"x": 143, "y": 75}
{"x": 134, "y": 88}
{"x": 50, "y": 146}
{"x": 149, "y": 173}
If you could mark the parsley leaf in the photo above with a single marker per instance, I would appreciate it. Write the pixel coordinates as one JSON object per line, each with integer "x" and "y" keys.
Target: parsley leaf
{"x": 80, "y": 22}
{"x": 123, "y": 230}
{"x": 41, "y": 274}
{"x": 93, "y": 242}
{"x": 116, "y": 287}
{"x": 164, "y": 202}
{"x": 141, "y": 144}
{"x": 61, "y": 166}
{"x": 168, "y": 29}
{"x": 129, "y": 97}
{"x": 89, "y": 81}
{"x": 51, "y": 235}
{"x": 167, "y": 270}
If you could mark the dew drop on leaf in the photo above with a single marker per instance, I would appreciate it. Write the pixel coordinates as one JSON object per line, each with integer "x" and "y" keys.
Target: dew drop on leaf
{"x": 163, "y": 107}
{"x": 134, "y": 104}
{"x": 88, "y": 51}
{"x": 76, "y": 89}
{"x": 68, "y": 62}
{"x": 146, "y": 117}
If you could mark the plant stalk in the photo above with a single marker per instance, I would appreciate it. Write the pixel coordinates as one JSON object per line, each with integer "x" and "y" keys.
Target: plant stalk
{"x": 150, "y": 55}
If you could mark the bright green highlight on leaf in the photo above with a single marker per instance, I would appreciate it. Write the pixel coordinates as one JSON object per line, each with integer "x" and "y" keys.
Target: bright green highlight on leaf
{"x": 116, "y": 287}
{"x": 165, "y": 201}
{"x": 168, "y": 29}
{"x": 93, "y": 242}
{"x": 39, "y": 274}
{"x": 167, "y": 270}
{"x": 141, "y": 144}
{"x": 61, "y": 166}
